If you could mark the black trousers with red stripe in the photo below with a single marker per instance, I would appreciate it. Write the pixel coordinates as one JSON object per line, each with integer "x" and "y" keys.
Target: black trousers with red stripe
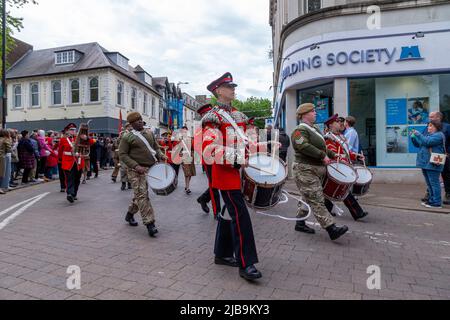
{"x": 237, "y": 239}
{"x": 352, "y": 205}
{"x": 73, "y": 180}
{"x": 206, "y": 196}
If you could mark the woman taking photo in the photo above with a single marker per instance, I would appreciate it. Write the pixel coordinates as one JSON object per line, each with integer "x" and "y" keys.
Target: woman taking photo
{"x": 431, "y": 143}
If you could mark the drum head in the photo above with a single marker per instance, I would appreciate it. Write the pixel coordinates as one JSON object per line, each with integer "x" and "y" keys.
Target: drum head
{"x": 161, "y": 176}
{"x": 274, "y": 170}
{"x": 342, "y": 172}
{"x": 364, "y": 175}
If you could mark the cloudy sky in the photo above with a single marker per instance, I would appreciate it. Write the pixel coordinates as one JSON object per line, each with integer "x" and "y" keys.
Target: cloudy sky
{"x": 192, "y": 41}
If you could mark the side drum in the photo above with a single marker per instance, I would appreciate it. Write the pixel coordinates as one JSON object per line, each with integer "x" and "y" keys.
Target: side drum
{"x": 338, "y": 181}
{"x": 263, "y": 180}
{"x": 362, "y": 184}
{"x": 161, "y": 179}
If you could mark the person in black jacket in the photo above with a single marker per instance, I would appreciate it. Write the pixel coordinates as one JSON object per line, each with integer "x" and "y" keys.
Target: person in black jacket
{"x": 285, "y": 144}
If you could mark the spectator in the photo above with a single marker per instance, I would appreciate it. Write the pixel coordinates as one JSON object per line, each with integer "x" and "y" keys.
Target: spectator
{"x": 5, "y": 160}
{"x": 14, "y": 157}
{"x": 351, "y": 135}
{"x": 431, "y": 142}
{"x": 446, "y": 172}
{"x": 27, "y": 156}
{"x": 285, "y": 144}
{"x": 52, "y": 159}
{"x": 34, "y": 172}
{"x": 44, "y": 152}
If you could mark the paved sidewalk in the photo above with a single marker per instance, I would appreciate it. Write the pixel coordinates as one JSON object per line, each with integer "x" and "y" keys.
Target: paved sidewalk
{"x": 396, "y": 196}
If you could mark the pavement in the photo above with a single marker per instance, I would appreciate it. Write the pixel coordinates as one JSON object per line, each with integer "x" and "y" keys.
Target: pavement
{"x": 42, "y": 235}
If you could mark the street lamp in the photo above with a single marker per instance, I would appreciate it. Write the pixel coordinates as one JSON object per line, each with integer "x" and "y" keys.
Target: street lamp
{"x": 4, "y": 64}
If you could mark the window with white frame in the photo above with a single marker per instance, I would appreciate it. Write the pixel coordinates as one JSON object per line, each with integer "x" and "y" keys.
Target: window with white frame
{"x": 65, "y": 57}
{"x": 93, "y": 89}
{"x": 153, "y": 107}
{"x": 74, "y": 91}
{"x": 34, "y": 92}
{"x": 17, "y": 90}
{"x": 133, "y": 98}
{"x": 120, "y": 93}
{"x": 145, "y": 109}
{"x": 56, "y": 92}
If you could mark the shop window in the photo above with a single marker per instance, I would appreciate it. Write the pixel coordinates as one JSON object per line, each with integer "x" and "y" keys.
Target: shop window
{"x": 322, "y": 98}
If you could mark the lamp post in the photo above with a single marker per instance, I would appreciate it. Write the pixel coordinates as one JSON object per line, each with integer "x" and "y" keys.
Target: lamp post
{"x": 4, "y": 64}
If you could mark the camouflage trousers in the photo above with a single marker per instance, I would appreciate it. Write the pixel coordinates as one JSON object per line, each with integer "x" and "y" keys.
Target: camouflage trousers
{"x": 119, "y": 166}
{"x": 141, "y": 201}
{"x": 309, "y": 182}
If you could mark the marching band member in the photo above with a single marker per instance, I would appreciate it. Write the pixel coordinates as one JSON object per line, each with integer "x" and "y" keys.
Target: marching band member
{"x": 337, "y": 143}
{"x": 237, "y": 241}
{"x": 139, "y": 151}
{"x": 311, "y": 159}
{"x": 71, "y": 163}
{"x": 211, "y": 194}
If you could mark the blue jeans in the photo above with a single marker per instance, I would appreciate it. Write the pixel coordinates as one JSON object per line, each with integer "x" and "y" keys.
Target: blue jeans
{"x": 434, "y": 187}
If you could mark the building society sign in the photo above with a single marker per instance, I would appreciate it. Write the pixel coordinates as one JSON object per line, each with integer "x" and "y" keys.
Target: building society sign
{"x": 380, "y": 55}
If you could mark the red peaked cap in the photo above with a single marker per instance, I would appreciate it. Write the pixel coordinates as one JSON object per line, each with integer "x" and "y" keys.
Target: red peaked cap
{"x": 331, "y": 119}
{"x": 204, "y": 109}
{"x": 70, "y": 126}
{"x": 227, "y": 78}
{"x": 251, "y": 120}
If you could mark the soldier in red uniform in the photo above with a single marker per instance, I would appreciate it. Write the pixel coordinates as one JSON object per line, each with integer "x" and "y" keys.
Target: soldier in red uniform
{"x": 337, "y": 143}
{"x": 238, "y": 241}
{"x": 71, "y": 163}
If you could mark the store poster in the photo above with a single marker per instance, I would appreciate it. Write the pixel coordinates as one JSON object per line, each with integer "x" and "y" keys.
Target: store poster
{"x": 397, "y": 139}
{"x": 412, "y": 147}
{"x": 396, "y": 112}
{"x": 322, "y": 109}
{"x": 418, "y": 110}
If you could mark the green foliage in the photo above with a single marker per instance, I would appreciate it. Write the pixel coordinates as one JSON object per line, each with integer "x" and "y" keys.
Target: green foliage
{"x": 259, "y": 108}
{"x": 13, "y": 24}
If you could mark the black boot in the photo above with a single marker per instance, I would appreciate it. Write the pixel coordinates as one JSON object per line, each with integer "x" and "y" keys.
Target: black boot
{"x": 70, "y": 198}
{"x": 152, "y": 230}
{"x": 302, "y": 227}
{"x": 124, "y": 185}
{"x": 130, "y": 219}
{"x": 129, "y": 186}
{"x": 361, "y": 215}
{"x": 204, "y": 205}
{"x": 250, "y": 273}
{"x": 230, "y": 262}
{"x": 114, "y": 179}
{"x": 335, "y": 232}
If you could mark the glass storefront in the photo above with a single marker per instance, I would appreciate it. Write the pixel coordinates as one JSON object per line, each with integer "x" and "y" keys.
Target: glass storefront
{"x": 387, "y": 109}
{"x": 321, "y": 97}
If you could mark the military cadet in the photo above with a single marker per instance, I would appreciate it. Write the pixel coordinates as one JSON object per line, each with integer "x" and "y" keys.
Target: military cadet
{"x": 238, "y": 241}
{"x": 119, "y": 167}
{"x": 337, "y": 143}
{"x": 210, "y": 194}
{"x": 311, "y": 159}
{"x": 71, "y": 163}
{"x": 139, "y": 151}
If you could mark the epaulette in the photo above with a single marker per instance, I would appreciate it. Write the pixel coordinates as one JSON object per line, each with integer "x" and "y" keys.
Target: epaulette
{"x": 211, "y": 117}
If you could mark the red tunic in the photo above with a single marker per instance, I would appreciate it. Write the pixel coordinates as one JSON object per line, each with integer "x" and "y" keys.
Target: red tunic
{"x": 338, "y": 144}
{"x": 66, "y": 152}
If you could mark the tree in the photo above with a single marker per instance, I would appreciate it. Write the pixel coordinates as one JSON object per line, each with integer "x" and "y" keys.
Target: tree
{"x": 259, "y": 108}
{"x": 12, "y": 24}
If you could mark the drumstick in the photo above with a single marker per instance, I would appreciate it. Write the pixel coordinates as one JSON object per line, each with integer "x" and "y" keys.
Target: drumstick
{"x": 262, "y": 170}
{"x": 338, "y": 171}
{"x": 155, "y": 178}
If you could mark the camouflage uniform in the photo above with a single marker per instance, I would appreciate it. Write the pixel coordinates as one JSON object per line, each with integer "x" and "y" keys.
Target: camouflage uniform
{"x": 141, "y": 201}
{"x": 310, "y": 150}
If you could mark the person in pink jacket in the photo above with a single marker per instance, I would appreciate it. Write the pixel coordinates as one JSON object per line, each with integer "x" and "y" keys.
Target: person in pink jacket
{"x": 44, "y": 151}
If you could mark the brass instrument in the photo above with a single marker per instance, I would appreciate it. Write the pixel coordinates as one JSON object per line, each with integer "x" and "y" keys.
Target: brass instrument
{"x": 82, "y": 146}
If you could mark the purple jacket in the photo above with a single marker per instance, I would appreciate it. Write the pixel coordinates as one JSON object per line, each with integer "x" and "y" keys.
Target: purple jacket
{"x": 43, "y": 147}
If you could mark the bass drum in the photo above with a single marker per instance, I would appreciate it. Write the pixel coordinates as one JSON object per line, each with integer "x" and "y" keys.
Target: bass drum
{"x": 362, "y": 184}
{"x": 262, "y": 189}
{"x": 161, "y": 178}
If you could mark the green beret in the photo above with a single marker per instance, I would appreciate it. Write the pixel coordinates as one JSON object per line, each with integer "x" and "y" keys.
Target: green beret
{"x": 305, "y": 108}
{"x": 133, "y": 117}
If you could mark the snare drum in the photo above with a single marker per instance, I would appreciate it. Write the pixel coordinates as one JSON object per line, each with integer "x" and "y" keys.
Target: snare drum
{"x": 362, "y": 184}
{"x": 338, "y": 181}
{"x": 262, "y": 189}
{"x": 161, "y": 178}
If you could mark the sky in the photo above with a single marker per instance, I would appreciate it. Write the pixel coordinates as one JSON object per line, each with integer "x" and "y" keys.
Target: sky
{"x": 193, "y": 41}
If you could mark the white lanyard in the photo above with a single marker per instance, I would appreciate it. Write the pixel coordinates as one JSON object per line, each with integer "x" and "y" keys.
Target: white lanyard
{"x": 140, "y": 136}
{"x": 238, "y": 130}
{"x": 343, "y": 143}
{"x": 312, "y": 129}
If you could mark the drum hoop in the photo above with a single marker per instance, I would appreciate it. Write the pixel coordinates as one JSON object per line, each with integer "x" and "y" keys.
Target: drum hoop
{"x": 337, "y": 181}
{"x": 371, "y": 175}
{"x": 267, "y": 184}
{"x": 171, "y": 184}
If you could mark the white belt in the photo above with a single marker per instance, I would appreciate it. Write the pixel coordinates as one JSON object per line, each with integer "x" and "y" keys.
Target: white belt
{"x": 68, "y": 153}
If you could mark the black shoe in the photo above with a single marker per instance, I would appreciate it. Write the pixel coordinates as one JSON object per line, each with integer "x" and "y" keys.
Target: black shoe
{"x": 124, "y": 185}
{"x": 62, "y": 190}
{"x": 96, "y": 176}
{"x": 114, "y": 179}
{"x": 152, "y": 230}
{"x": 70, "y": 198}
{"x": 230, "y": 262}
{"x": 204, "y": 205}
{"x": 250, "y": 273}
{"x": 129, "y": 186}
{"x": 361, "y": 215}
{"x": 335, "y": 232}
{"x": 130, "y": 219}
{"x": 302, "y": 227}
{"x": 75, "y": 198}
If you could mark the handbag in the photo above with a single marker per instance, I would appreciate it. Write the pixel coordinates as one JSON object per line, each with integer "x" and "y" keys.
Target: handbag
{"x": 438, "y": 158}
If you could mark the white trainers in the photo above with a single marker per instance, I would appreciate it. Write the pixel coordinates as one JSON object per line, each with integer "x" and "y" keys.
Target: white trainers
{"x": 434, "y": 207}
